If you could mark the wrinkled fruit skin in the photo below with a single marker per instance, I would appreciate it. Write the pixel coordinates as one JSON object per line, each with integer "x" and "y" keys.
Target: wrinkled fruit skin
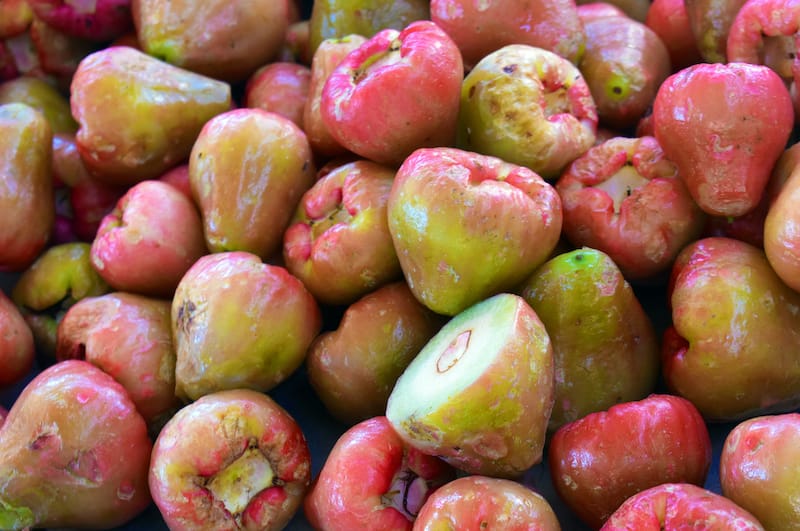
{"x": 605, "y": 347}
{"x": 338, "y": 242}
{"x": 27, "y": 205}
{"x": 732, "y": 349}
{"x": 680, "y": 506}
{"x": 479, "y": 28}
{"x": 248, "y": 170}
{"x": 354, "y": 368}
{"x": 149, "y": 241}
{"x": 74, "y": 452}
{"x": 16, "y": 343}
{"x": 371, "y": 479}
{"x": 629, "y": 448}
{"x": 481, "y": 502}
{"x": 560, "y": 119}
{"x": 759, "y": 466}
{"x": 467, "y": 226}
{"x": 364, "y": 111}
{"x": 626, "y": 198}
{"x": 215, "y": 38}
{"x": 130, "y": 338}
{"x": 139, "y": 116}
{"x": 724, "y": 147}
{"x": 239, "y": 323}
{"x": 231, "y": 460}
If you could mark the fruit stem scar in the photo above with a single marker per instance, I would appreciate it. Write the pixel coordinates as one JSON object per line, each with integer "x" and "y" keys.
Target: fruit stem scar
{"x": 454, "y": 352}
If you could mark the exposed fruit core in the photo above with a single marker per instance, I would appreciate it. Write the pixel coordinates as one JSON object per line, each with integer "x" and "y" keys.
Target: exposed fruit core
{"x": 622, "y": 184}
{"x": 407, "y": 493}
{"x": 454, "y": 351}
{"x": 243, "y": 479}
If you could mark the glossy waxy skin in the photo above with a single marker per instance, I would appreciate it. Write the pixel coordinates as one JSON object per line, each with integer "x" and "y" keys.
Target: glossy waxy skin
{"x": 711, "y": 21}
{"x": 139, "y": 116}
{"x": 43, "y": 97}
{"x": 780, "y": 231}
{"x": 16, "y": 343}
{"x": 724, "y": 126}
{"x": 27, "y": 205}
{"x": 604, "y": 345}
{"x": 733, "y": 349}
{"x": 466, "y": 226}
{"x": 759, "y": 468}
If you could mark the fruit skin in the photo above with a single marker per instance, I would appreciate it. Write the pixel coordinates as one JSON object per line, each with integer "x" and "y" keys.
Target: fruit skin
{"x": 605, "y": 346}
{"x": 732, "y": 349}
{"x": 207, "y": 437}
{"x": 480, "y": 28}
{"x": 626, "y": 198}
{"x": 710, "y": 21}
{"x": 492, "y": 423}
{"x": 560, "y": 119}
{"x": 139, "y": 116}
{"x": 215, "y": 38}
{"x": 670, "y": 21}
{"x": 27, "y": 205}
{"x": 759, "y": 466}
{"x": 334, "y": 19}
{"x": 101, "y": 20}
{"x": 680, "y": 506}
{"x": 15, "y": 17}
{"x": 602, "y": 459}
{"x": 130, "y": 338}
{"x": 624, "y": 64}
{"x": 364, "y": 111}
{"x": 466, "y": 226}
{"x": 724, "y": 147}
{"x": 480, "y": 502}
{"x": 239, "y": 323}
{"x": 780, "y": 232}
{"x": 280, "y": 87}
{"x": 43, "y": 97}
{"x": 372, "y": 480}
{"x": 74, "y": 452}
{"x": 338, "y": 242}
{"x": 354, "y": 367}
{"x": 248, "y": 170}
{"x": 16, "y": 343}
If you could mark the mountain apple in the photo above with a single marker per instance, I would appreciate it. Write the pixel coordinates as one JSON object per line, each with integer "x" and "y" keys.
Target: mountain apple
{"x": 99, "y": 20}
{"x": 372, "y": 480}
{"x": 758, "y": 469}
{"x": 15, "y": 17}
{"x": 334, "y": 19}
{"x": 327, "y": 57}
{"x": 150, "y": 239}
{"x": 68, "y": 168}
{"x": 27, "y": 205}
{"x": 604, "y": 344}
{"x": 239, "y": 323}
{"x": 16, "y": 343}
{"x": 248, "y": 170}
{"x": 179, "y": 178}
{"x": 710, "y": 21}
{"x": 129, "y": 337}
{"x": 479, "y": 28}
{"x": 216, "y": 38}
{"x": 466, "y": 226}
{"x": 90, "y": 201}
{"x": 724, "y": 147}
{"x": 139, "y": 116}
{"x": 296, "y": 44}
{"x": 680, "y": 506}
{"x": 354, "y": 367}
{"x": 602, "y": 459}
{"x": 732, "y": 348}
{"x": 231, "y": 460}
{"x": 43, "y": 97}
{"x": 74, "y": 452}
{"x": 781, "y": 232}
{"x": 626, "y": 198}
{"x": 624, "y": 64}
{"x": 481, "y": 502}
{"x": 60, "y": 276}
{"x": 527, "y": 106}
{"x": 670, "y": 21}
{"x": 366, "y": 113}
{"x": 281, "y": 88}
{"x": 479, "y": 394}
{"x": 338, "y": 241}
{"x": 59, "y": 54}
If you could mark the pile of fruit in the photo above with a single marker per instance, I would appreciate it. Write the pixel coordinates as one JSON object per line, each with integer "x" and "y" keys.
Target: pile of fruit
{"x": 366, "y": 264}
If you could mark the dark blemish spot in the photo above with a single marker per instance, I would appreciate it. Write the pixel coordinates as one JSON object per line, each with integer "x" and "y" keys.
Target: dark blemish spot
{"x": 509, "y": 69}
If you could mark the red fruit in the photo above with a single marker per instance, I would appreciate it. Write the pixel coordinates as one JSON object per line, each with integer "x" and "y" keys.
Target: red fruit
{"x": 97, "y": 20}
